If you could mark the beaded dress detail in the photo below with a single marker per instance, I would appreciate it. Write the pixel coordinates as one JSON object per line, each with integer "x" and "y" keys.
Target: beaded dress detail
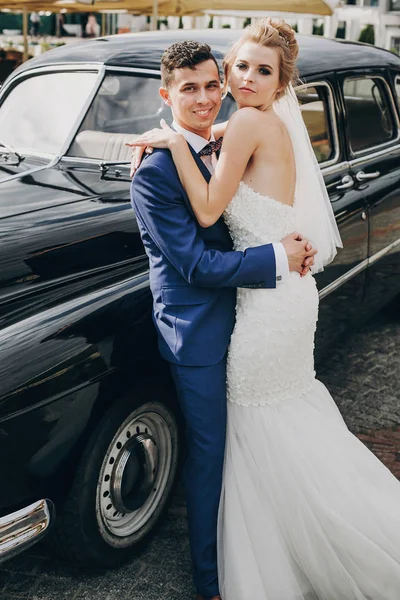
{"x": 254, "y": 220}
{"x": 307, "y": 512}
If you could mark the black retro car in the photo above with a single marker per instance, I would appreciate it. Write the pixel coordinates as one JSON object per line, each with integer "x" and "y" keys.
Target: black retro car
{"x": 88, "y": 418}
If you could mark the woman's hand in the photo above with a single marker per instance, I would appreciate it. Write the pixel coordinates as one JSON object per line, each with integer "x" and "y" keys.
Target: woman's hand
{"x": 137, "y": 157}
{"x": 155, "y": 138}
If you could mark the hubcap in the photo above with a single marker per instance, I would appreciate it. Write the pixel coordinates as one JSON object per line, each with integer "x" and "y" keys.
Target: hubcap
{"x": 134, "y": 473}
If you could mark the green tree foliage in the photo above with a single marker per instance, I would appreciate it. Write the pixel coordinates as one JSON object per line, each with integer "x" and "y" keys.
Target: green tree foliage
{"x": 246, "y": 22}
{"x": 367, "y": 35}
{"x": 211, "y": 23}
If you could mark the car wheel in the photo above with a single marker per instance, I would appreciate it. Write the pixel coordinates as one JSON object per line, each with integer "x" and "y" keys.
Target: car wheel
{"x": 122, "y": 485}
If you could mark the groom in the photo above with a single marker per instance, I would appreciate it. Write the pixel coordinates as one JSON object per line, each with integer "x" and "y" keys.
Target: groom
{"x": 194, "y": 274}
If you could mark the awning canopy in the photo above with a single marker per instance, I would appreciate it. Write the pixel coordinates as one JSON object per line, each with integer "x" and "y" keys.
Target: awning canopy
{"x": 174, "y": 7}
{"x": 134, "y": 6}
{"x": 184, "y": 7}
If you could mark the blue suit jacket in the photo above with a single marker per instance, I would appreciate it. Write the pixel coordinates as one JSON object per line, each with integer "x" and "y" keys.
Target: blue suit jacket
{"x": 194, "y": 272}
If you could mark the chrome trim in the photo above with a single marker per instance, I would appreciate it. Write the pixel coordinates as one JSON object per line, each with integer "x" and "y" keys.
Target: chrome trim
{"x": 347, "y": 182}
{"x": 338, "y": 168}
{"x": 382, "y": 252}
{"x": 368, "y": 157}
{"x": 25, "y": 527}
{"x": 91, "y": 161}
{"x": 394, "y": 113}
{"x": 365, "y": 264}
{"x": 333, "y": 122}
{"x": 343, "y": 279}
{"x": 84, "y": 160}
{"x": 361, "y": 176}
{"x": 50, "y": 68}
{"x": 134, "y": 70}
{"x": 81, "y": 116}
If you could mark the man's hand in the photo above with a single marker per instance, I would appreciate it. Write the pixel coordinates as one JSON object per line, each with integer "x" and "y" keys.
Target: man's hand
{"x": 300, "y": 253}
{"x": 308, "y": 261}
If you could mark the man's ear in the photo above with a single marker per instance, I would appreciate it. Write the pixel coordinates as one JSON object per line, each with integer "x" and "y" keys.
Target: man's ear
{"x": 164, "y": 93}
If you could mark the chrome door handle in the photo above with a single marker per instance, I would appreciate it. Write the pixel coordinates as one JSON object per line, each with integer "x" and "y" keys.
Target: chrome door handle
{"x": 361, "y": 176}
{"x": 347, "y": 183}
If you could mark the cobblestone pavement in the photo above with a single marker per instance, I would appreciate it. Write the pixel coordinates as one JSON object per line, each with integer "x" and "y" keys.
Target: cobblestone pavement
{"x": 363, "y": 375}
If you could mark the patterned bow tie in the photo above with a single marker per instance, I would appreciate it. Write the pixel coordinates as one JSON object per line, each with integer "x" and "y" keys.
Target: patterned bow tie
{"x": 211, "y": 147}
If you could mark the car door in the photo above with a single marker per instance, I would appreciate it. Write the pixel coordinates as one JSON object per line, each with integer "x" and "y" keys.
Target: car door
{"x": 372, "y": 126}
{"x": 341, "y": 283}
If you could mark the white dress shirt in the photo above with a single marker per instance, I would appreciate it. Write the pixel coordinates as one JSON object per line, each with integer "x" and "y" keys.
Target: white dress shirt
{"x": 197, "y": 142}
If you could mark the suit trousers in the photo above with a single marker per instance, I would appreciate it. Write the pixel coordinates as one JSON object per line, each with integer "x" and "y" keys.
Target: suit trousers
{"x": 202, "y": 397}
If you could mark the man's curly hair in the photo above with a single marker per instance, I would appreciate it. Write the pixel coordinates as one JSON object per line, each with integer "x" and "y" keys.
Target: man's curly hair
{"x": 181, "y": 55}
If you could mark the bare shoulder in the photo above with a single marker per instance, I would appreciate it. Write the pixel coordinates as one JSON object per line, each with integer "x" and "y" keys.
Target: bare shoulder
{"x": 243, "y": 127}
{"x": 245, "y": 117}
{"x": 257, "y": 122}
{"x": 273, "y": 122}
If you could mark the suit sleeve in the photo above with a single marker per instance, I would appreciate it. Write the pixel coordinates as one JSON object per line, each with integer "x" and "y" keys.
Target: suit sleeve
{"x": 163, "y": 215}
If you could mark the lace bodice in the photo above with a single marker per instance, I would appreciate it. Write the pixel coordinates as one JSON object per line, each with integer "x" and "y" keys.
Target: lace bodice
{"x": 254, "y": 219}
{"x": 271, "y": 352}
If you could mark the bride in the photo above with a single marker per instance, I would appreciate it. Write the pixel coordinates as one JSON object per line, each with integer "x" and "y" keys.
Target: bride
{"x": 306, "y": 512}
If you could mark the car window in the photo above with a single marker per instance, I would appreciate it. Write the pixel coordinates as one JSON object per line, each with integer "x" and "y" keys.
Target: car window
{"x": 39, "y": 112}
{"x": 315, "y": 107}
{"x": 369, "y": 116}
{"x": 125, "y": 105}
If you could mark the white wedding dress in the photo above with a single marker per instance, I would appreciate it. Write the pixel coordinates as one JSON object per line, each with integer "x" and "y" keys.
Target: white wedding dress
{"x": 307, "y": 511}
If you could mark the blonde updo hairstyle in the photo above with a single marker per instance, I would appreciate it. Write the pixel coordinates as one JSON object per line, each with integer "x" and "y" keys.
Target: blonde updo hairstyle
{"x": 271, "y": 33}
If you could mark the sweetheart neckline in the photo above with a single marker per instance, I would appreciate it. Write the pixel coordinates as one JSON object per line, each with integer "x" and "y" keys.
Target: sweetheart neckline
{"x": 291, "y": 206}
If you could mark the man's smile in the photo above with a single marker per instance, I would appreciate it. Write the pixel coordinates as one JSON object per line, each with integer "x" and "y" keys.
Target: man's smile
{"x": 203, "y": 112}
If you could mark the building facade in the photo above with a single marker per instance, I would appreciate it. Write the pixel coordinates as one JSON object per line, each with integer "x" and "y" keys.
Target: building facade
{"x": 348, "y": 21}
{"x": 354, "y": 15}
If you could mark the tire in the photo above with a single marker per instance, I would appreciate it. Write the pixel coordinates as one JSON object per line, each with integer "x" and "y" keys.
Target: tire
{"x": 122, "y": 485}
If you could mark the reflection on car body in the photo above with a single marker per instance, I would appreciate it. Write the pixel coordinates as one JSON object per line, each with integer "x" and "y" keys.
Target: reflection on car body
{"x": 88, "y": 417}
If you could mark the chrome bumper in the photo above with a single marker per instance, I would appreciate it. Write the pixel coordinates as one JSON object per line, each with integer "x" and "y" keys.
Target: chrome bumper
{"x": 24, "y": 527}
